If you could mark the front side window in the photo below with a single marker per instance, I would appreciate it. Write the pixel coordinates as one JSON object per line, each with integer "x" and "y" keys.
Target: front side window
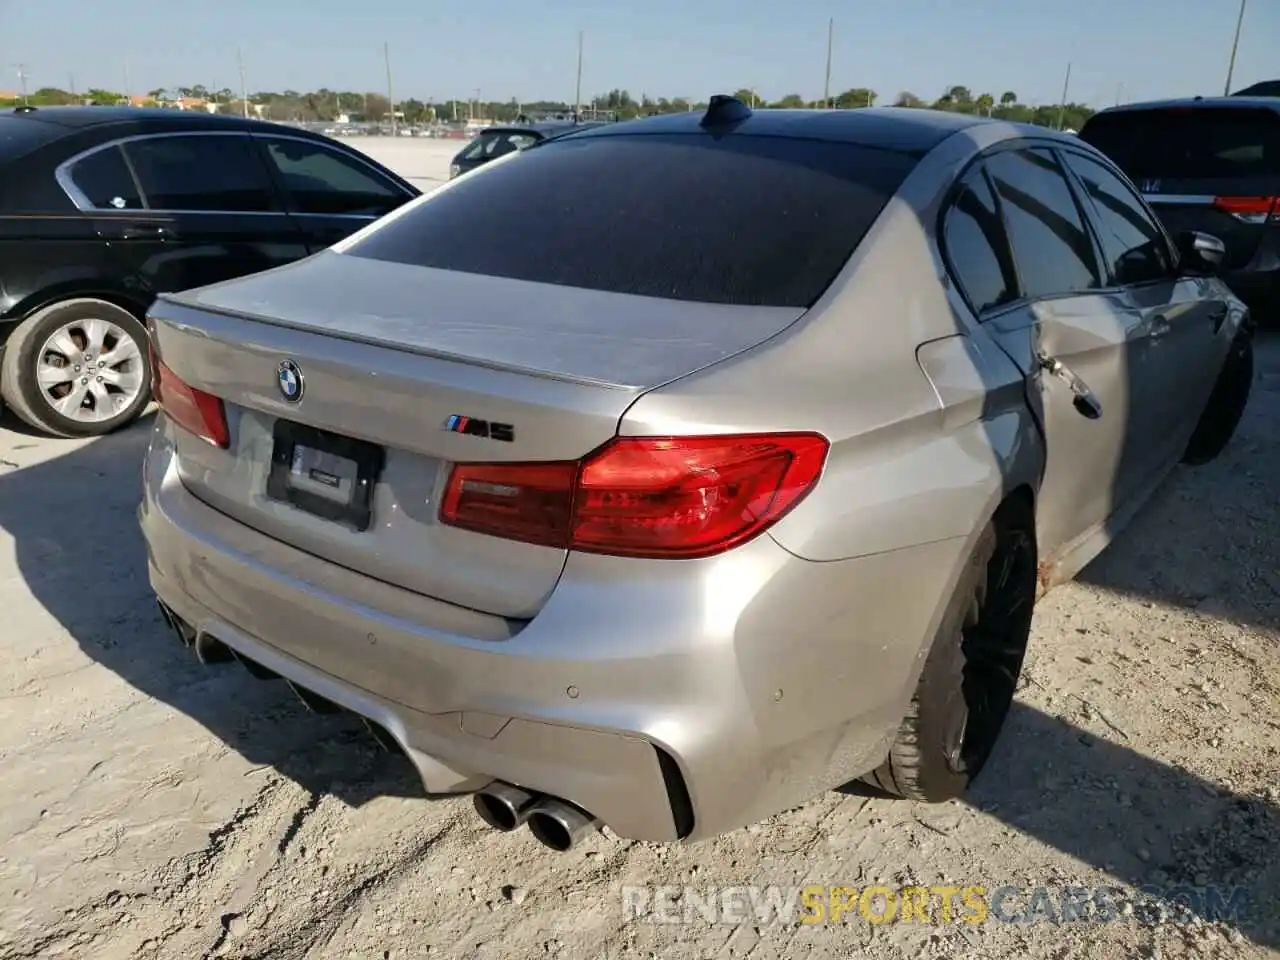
{"x": 1051, "y": 247}
{"x": 103, "y": 179}
{"x": 976, "y": 245}
{"x": 220, "y": 173}
{"x": 1132, "y": 242}
{"x": 320, "y": 180}
{"x": 759, "y": 221}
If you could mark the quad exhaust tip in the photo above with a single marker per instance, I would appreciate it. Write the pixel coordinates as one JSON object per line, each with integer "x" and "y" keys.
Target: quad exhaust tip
{"x": 503, "y": 806}
{"x": 554, "y": 823}
{"x": 560, "y": 825}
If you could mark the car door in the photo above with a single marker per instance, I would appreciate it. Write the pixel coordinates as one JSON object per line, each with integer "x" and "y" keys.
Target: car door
{"x": 1080, "y": 345}
{"x": 1183, "y": 317}
{"x": 197, "y": 208}
{"x": 329, "y": 192}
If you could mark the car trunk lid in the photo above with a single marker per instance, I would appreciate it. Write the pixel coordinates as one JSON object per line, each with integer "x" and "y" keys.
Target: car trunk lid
{"x": 428, "y": 367}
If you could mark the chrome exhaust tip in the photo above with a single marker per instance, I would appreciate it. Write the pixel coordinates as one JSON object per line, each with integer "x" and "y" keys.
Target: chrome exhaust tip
{"x": 210, "y": 649}
{"x": 504, "y": 806}
{"x": 560, "y": 825}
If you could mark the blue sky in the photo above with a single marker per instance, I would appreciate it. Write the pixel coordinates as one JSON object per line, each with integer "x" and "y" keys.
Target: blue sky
{"x": 514, "y": 48}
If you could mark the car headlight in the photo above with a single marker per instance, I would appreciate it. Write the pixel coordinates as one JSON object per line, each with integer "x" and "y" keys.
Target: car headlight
{"x": 453, "y": 170}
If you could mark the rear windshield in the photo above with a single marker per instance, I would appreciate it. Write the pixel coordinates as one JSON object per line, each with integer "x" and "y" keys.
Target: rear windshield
{"x": 744, "y": 220}
{"x": 1190, "y": 144}
{"x": 20, "y": 135}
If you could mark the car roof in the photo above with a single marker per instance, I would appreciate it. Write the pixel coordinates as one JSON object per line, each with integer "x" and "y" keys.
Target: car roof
{"x": 81, "y": 118}
{"x": 1234, "y": 102}
{"x": 538, "y": 126}
{"x": 903, "y": 129}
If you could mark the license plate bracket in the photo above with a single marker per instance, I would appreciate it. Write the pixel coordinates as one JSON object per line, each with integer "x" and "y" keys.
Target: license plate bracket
{"x": 324, "y": 474}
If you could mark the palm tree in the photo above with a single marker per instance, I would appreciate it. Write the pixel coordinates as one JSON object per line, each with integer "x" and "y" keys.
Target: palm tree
{"x": 985, "y": 103}
{"x": 1008, "y": 98}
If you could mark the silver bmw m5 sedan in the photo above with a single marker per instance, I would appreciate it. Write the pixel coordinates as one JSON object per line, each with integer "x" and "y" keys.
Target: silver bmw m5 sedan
{"x": 671, "y": 472}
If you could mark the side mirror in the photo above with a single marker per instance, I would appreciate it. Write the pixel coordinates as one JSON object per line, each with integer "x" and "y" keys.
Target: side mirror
{"x": 1201, "y": 253}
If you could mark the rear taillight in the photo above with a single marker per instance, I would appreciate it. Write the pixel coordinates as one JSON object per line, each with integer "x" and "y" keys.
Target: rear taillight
{"x": 673, "y": 497}
{"x": 201, "y": 413}
{"x": 1249, "y": 209}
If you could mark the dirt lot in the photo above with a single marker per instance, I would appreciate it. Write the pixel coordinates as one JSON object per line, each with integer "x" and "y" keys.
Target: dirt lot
{"x": 157, "y": 808}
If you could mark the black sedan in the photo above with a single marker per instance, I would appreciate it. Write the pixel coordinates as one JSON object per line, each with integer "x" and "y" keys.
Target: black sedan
{"x": 498, "y": 141}
{"x": 103, "y": 208}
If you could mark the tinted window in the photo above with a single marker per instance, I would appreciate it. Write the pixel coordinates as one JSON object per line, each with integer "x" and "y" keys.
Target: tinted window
{"x": 1189, "y": 144}
{"x": 201, "y": 173}
{"x": 976, "y": 245}
{"x": 104, "y": 179}
{"x": 19, "y": 135}
{"x": 740, "y": 220}
{"x": 1134, "y": 246}
{"x": 487, "y": 146}
{"x": 1050, "y": 245}
{"x": 320, "y": 180}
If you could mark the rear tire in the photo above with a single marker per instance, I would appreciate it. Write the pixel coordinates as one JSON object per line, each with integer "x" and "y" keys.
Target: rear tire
{"x": 967, "y": 686}
{"x": 104, "y": 385}
{"x": 1226, "y": 405}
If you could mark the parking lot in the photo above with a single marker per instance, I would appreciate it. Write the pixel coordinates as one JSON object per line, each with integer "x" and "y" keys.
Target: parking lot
{"x": 157, "y": 807}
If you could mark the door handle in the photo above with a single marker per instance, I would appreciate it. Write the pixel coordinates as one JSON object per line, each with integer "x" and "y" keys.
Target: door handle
{"x": 1082, "y": 398}
{"x": 1160, "y": 326}
{"x": 145, "y": 231}
{"x": 1218, "y": 317}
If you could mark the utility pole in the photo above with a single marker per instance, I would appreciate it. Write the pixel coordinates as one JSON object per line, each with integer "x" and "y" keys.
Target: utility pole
{"x": 391, "y": 99}
{"x": 1231, "y": 67}
{"x": 826, "y": 87}
{"x": 22, "y": 78}
{"x": 1119, "y": 93}
{"x": 577, "y": 95}
{"x": 1062, "y": 105}
{"x": 128, "y": 87}
{"x": 244, "y": 88}
{"x": 72, "y": 77}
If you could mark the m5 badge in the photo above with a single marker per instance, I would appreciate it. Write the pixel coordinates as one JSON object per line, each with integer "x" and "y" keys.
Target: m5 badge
{"x": 489, "y": 429}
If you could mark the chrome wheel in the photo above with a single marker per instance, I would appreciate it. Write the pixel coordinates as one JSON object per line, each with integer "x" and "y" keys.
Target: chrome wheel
{"x": 90, "y": 370}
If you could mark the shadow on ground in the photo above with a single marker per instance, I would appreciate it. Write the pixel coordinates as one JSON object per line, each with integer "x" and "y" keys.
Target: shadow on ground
{"x": 80, "y": 552}
{"x": 1210, "y": 538}
{"x": 1143, "y": 822}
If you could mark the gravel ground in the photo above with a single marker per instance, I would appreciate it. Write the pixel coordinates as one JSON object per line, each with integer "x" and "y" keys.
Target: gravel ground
{"x": 157, "y": 808}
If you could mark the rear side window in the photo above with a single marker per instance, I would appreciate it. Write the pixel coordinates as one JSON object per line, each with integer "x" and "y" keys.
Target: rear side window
{"x": 763, "y": 221}
{"x": 1190, "y": 144}
{"x": 103, "y": 181}
{"x": 976, "y": 245}
{"x": 1051, "y": 247}
{"x": 219, "y": 173}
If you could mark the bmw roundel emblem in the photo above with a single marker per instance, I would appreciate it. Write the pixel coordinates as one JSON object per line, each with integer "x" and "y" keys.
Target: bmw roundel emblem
{"x": 289, "y": 379}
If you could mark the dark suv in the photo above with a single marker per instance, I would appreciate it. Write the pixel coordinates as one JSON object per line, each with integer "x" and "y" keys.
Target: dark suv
{"x": 103, "y": 208}
{"x": 1213, "y": 165}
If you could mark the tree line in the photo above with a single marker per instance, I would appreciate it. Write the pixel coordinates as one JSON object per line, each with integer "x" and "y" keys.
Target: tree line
{"x": 326, "y": 105}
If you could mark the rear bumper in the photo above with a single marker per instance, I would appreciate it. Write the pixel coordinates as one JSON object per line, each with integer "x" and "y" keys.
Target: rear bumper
{"x": 668, "y": 706}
